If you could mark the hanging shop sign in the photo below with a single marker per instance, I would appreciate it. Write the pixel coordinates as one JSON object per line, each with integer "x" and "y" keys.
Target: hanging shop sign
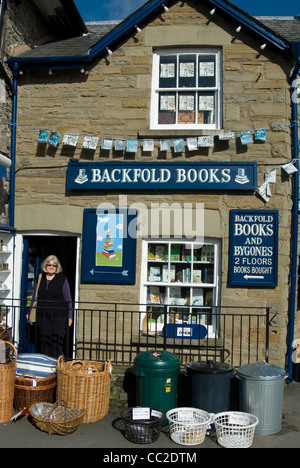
{"x": 167, "y": 176}
{"x": 253, "y": 249}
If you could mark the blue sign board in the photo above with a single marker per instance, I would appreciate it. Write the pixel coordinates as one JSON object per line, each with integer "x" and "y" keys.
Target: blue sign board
{"x": 190, "y": 331}
{"x": 108, "y": 249}
{"x": 253, "y": 249}
{"x": 112, "y": 175}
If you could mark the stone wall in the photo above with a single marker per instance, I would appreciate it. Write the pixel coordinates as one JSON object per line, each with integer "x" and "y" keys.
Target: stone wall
{"x": 112, "y": 99}
{"x": 22, "y": 29}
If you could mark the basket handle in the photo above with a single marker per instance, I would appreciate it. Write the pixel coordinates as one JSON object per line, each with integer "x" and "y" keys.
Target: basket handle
{"x": 30, "y": 375}
{"x": 15, "y": 352}
{"x": 55, "y": 405}
{"x": 108, "y": 366}
{"x": 60, "y": 361}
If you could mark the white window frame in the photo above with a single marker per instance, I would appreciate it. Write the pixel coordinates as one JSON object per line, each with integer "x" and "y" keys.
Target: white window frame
{"x": 155, "y": 89}
{"x": 215, "y": 286}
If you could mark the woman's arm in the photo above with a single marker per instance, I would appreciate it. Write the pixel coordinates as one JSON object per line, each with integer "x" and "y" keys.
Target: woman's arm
{"x": 67, "y": 297}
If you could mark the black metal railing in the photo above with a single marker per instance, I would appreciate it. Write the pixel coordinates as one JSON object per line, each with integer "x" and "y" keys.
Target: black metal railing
{"x": 120, "y": 331}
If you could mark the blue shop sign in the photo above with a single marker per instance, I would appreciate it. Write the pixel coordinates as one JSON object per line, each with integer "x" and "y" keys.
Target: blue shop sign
{"x": 253, "y": 249}
{"x": 165, "y": 176}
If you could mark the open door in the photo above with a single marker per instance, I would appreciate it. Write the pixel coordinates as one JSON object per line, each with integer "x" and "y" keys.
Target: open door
{"x": 35, "y": 249}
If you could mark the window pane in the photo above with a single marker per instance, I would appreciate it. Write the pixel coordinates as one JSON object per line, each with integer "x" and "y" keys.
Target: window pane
{"x": 207, "y": 71}
{"x": 206, "y": 108}
{"x": 167, "y": 108}
{"x": 167, "y": 71}
{"x": 187, "y": 71}
{"x": 186, "y": 108}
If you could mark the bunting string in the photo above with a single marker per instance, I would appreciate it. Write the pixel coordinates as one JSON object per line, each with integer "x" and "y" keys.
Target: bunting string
{"x": 91, "y": 142}
{"x": 52, "y": 138}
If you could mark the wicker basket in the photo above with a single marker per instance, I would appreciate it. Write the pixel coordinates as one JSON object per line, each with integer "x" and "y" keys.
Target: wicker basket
{"x": 29, "y": 389}
{"x": 143, "y": 431}
{"x": 56, "y": 418}
{"x": 84, "y": 385}
{"x": 7, "y": 387}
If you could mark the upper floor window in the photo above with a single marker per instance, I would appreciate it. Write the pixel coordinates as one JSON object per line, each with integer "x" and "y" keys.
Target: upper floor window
{"x": 186, "y": 89}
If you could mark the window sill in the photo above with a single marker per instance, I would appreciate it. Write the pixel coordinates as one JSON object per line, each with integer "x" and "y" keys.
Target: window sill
{"x": 176, "y": 133}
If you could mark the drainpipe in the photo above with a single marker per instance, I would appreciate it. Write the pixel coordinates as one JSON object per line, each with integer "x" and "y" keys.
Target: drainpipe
{"x": 13, "y": 148}
{"x": 295, "y": 48}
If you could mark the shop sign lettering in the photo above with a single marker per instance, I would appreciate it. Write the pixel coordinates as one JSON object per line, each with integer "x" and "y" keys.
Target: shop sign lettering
{"x": 156, "y": 175}
{"x": 253, "y": 250}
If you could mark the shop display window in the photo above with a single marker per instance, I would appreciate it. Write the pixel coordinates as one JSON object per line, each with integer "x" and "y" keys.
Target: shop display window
{"x": 181, "y": 281}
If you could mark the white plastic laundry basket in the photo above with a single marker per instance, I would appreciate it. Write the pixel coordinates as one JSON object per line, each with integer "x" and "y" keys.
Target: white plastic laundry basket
{"x": 235, "y": 429}
{"x": 188, "y": 425}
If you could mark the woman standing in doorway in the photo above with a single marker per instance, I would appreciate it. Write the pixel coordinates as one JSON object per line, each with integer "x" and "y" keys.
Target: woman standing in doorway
{"x": 54, "y": 307}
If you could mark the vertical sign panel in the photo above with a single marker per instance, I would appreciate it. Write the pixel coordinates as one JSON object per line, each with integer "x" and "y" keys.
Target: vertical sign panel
{"x": 253, "y": 249}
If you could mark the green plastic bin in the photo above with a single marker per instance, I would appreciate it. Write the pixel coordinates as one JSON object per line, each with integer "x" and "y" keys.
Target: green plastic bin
{"x": 156, "y": 379}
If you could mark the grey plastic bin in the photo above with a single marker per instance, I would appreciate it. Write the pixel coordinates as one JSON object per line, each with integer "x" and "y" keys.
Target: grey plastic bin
{"x": 261, "y": 394}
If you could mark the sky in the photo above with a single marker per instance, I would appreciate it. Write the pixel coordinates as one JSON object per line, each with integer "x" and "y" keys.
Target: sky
{"x": 103, "y": 10}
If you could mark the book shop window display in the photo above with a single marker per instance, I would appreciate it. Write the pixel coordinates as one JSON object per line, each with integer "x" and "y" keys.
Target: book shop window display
{"x": 181, "y": 282}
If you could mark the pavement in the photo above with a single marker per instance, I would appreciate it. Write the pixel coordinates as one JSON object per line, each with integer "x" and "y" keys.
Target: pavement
{"x": 107, "y": 435}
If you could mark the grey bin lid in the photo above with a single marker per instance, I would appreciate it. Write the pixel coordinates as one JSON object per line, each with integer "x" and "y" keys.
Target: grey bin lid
{"x": 261, "y": 371}
{"x": 208, "y": 367}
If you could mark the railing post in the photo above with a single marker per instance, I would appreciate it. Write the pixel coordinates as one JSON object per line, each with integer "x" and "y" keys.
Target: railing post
{"x": 165, "y": 327}
{"x": 267, "y": 333}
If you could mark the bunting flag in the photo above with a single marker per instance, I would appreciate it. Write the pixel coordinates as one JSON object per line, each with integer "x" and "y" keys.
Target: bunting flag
{"x": 90, "y": 142}
{"x": 260, "y": 134}
{"x": 43, "y": 136}
{"x": 205, "y": 141}
{"x": 289, "y": 168}
{"x": 107, "y": 143}
{"x": 148, "y": 145}
{"x": 132, "y": 146}
{"x": 192, "y": 144}
{"x": 226, "y": 136}
{"x": 246, "y": 138}
{"x": 120, "y": 145}
{"x": 265, "y": 191}
{"x": 54, "y": 138}
{"x": 270, "y": 176}
{"x": 70, "y": 140}
{"x": 179, "y": 145}
{"x": 165, "y": 145}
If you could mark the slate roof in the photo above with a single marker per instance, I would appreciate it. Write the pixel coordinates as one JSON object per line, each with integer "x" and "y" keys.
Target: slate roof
{"x": 288, "y": 27}
{"x": 277, "y": 31}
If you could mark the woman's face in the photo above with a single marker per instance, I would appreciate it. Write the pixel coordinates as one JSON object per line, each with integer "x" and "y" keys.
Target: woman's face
{"x": 51, "y": 267}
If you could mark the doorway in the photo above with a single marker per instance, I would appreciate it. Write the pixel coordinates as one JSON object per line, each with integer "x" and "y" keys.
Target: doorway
{"x": 35, "y": 249}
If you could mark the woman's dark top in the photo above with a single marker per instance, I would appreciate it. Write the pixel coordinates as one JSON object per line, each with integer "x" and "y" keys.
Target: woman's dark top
{"x": 51, "y": 297}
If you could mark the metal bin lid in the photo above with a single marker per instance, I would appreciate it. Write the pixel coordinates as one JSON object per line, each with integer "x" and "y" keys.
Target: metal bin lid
{"x": 261, "y": 371}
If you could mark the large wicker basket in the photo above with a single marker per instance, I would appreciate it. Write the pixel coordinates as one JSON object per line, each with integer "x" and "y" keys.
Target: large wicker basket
{"x": 56, "y": 418}
{"x": 7, "y": 386}
{"x": 84, "y": 385}
{"x": 30, "y": 389}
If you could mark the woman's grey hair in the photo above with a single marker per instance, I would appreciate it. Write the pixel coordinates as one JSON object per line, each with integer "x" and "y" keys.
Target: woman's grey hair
{"x": 54, "y": 259}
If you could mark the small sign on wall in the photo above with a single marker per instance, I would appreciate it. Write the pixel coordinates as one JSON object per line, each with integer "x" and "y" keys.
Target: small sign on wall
{"x": 253, "y": 249}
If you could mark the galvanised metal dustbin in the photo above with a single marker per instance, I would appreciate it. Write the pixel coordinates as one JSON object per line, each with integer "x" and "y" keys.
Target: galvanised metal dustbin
{"x": 157, "y": 378}
{"x": 261, "y": 394}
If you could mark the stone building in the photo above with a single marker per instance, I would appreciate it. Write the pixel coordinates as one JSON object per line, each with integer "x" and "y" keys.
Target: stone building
{"x": 25, "y": 25}
{"x": 185, "y": 107}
